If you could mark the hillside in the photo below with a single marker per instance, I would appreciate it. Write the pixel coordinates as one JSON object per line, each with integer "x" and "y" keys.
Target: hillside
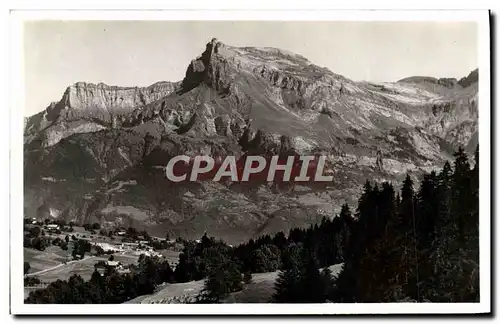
{"x": 260, "y": 290}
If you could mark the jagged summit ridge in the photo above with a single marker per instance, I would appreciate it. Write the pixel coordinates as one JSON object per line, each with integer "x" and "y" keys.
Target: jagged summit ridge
{"x": 220, "y": 63}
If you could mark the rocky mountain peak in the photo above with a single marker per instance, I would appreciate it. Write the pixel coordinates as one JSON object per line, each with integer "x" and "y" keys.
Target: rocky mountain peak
{"x": 204, "y": 67}
{"x": 220, "y": 64}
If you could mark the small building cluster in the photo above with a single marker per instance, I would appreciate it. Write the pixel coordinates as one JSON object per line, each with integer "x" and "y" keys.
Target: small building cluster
{"x": 52, "y": 228}
{"x": 116, "y": 265}
{"x": 139, "y": 247}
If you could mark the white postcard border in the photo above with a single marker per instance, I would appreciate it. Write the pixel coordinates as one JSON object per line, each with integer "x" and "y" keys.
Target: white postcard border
{"x": 16, "y": 105}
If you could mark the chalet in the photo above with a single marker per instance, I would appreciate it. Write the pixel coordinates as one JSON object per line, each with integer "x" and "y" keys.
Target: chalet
{"x": 106, "y": 247}
{"x": 123, "y": 270}
{"x": 100, "y": 269}
{"x": 126, "y": 245}
{"x": 151, "y": 253}
{"x": 52, "y": 227}
{"x": 113, "y": 264}
{"x": 102, "y": 266}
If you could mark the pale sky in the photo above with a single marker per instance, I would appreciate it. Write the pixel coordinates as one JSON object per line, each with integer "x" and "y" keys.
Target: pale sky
{"x": 139, "y": 53}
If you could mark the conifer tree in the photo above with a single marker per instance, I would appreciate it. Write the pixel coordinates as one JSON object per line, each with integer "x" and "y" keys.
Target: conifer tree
{"x": 455, "y": 251}
{"x": 344, "y": 236}
{"x": 223, "y": 278}
{"x": 329, "y": 285}
{"x": 427, "y": 210}
{"x": 287, "y": 285}
{"x": 409, "y": 267}
{"x": 301, "y": 281}
{"x": 311, "y": 286}
{"x": 461, "y": 199}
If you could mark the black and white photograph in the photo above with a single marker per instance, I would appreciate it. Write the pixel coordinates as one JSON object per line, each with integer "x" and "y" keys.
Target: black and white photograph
{"x": 249, "y": 162}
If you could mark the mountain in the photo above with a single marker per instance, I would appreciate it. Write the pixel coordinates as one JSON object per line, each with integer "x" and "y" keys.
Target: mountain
{"x": 86, "y": 107}
{"x": 98, "y": 154}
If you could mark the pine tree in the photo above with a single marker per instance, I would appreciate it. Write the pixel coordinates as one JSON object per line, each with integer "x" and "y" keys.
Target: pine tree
{"x": 427, "y": 211}
{"x": 344, "y": 234}
{"x": 455, "y": 251}
{"x": 280, "y": 240}
{"x": 247, "y": 278}
{"x": 287, "y": 285}
{"x": 461, "y": 199}
{"x": 311, "y": 286}
{"x": 259, "y": 261}
{"x": 97, "y": 288}
{"x": 328, "y": 285}
{"x": 223, "y": 278}
{"x": 465, "y": 209}
{"x": 379, "y": 262}
{"x": 409, "y": 267}
{"x": 348, "y": 287}
{"x": 301, "y": 281}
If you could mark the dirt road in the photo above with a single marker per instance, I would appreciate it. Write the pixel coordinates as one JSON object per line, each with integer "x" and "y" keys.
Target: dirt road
{"x": 57, "y": 266}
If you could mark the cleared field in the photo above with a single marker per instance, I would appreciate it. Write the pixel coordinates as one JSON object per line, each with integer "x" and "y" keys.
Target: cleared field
{"x": 260, "y": 290}
{"x": 51, "y": 257}
{"x": 126, "y": 257}
{"x": 79, "y": 230}
{"x": 172, "y": 256}
{"x": 51, "y": 262}
{"x": 171, "y": 293}
{"x": 53, "y": 270}
{"x": 84, "y": 268}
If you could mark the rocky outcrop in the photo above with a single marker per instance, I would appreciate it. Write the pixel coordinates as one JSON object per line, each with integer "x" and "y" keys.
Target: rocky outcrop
{"x": 106, "y": 101}
{"x": 96, "y": 106}
{"x": 210, "y": 67}
{"x": 379, "y": 164}
{"x": 280, "y": 79}
{"x": 472, "y": 78}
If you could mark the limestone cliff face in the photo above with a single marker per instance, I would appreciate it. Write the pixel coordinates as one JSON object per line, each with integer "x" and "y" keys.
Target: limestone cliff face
{"x": 106, "y": 99}
{"x": 86, "y": 107}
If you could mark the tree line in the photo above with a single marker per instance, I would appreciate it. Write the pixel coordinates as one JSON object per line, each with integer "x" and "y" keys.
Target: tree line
{"x": 416, "y": 245}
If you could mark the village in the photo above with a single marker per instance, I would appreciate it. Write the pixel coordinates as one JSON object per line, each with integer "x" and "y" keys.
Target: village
{"x": 54, "y": 250}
